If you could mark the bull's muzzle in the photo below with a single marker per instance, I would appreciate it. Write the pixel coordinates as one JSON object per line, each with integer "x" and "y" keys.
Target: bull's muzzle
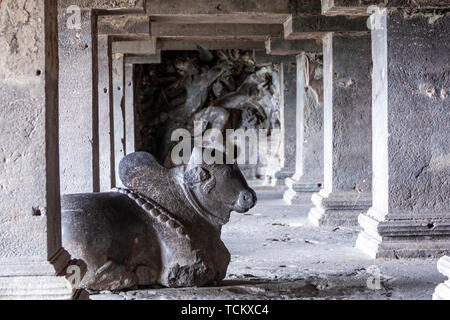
{"x": 247, "y": 200}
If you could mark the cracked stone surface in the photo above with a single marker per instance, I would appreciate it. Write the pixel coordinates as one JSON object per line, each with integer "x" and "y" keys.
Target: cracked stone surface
{"x": 277, "y": 254}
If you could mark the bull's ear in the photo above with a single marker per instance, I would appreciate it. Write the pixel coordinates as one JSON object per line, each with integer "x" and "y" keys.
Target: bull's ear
{"x": 196, "y": 175}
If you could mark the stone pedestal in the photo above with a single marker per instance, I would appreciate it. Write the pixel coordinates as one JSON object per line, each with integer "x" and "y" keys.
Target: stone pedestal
{"x": 347, "y": 131}
{"x": 30, "y": 229}
{"x": 288, "y": 123}
{"x": 308, "y": 177}
{"x": 443, "y": 290}
{"x": 411, "y": 124}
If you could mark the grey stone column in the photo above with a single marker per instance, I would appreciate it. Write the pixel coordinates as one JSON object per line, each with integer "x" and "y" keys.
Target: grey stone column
{"x": 308, "y": 177}
{"x": 30, "y": 228}
{"x": 109, "y": 28}
{"x": 288, "y": 87}
{"x": 288, "y": 122}
{"x": 443, "y": 290}
{"x": 130, "y": 113}
{"x": 78, "y": 102}
{"x": 347, "y": 132}
{"x": 118, "y": 113}
{"x": 106, "y": 157}
{"x": 410, "y": 217}
{"x": 129, "y": 109}
{"x": 121, "y": 116}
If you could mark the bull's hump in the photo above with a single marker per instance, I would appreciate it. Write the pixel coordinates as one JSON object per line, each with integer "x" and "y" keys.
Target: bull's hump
{"x": 140, "y": 168}
{"x": 91, "y": 201}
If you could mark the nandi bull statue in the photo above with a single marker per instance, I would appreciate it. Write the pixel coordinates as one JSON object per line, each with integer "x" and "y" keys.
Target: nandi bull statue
{"x": 163, "y": 229}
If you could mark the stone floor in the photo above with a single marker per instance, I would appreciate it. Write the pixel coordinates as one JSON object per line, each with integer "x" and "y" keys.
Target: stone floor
{"x": 277, "y": 254}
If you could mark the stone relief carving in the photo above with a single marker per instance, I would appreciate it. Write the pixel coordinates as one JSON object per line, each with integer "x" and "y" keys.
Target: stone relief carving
{"x": 224, "y": 88}
{"x": 163, "y": 229}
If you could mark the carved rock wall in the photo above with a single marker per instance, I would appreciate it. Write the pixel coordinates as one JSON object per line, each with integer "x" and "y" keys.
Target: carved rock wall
{"x": 223, "y": 87}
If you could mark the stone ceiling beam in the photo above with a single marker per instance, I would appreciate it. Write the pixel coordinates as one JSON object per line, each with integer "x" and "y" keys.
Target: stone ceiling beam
{"x": 292, "y": 47}
{"x": 182, "y": 45}
{"x": 143, "y": 47}
{"x": 216, "y": 31}
{"x": 315, "y": 27}
{"x": 104, "y": 6}
{"x": 229, "y": 11}
{"x": 354, "y": 7}
{"x": 123, "y": 24}
{"x": 151, "y": 59}
{"x": 261, "y": 57}
{"x": 173, "y": 44}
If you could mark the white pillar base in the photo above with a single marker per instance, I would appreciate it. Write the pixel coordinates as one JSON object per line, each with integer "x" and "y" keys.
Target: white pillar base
{"x": 443, "y": 290}
{"x": 338, "y": 209}
{"x": 400, "y": 238}
{"x": 301, "y": 191}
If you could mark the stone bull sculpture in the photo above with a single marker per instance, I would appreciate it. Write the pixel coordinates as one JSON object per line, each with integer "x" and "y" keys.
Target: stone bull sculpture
{"x": 164, "y": 229}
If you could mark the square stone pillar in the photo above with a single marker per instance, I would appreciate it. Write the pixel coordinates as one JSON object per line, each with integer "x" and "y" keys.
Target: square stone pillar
{"x": 410, "y": 217}
{"x": 443, "y": 290}
{"x": 121, "y": 117}
{"x": 105, "y": 118}
{"x": 30, "y": 228}
{"x": 347, "y": 131}
{"x": 78, "y": 91}
{"x": 129, "y": 108}
{"x": 131, "y": 130}
{"x": 112, "y": 27}
{"x": 118, "y": 113}
{"x": 81, "y": 116}
{"x": 308, "y": 177}
{"x": 288, "y": 123}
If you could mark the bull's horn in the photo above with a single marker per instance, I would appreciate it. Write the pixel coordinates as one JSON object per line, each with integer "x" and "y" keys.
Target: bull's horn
{"x": 196, "y": 158}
